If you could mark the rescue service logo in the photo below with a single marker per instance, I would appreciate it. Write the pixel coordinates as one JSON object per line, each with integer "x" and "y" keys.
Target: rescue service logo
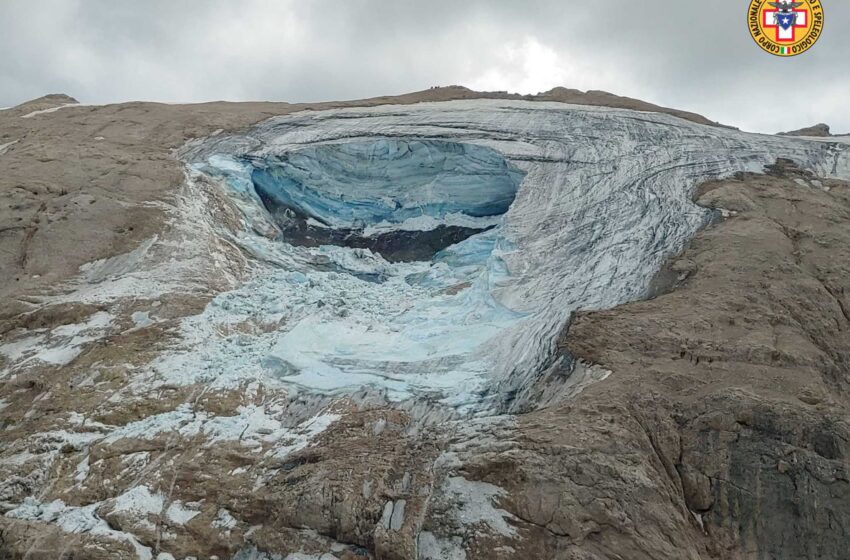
{"x": 785, "y": 28}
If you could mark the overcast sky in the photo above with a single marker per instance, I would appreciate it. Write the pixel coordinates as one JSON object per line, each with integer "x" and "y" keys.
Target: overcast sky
{"x": 689, "y": 54}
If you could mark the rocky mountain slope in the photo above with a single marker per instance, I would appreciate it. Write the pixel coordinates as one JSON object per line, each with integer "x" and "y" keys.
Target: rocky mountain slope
{"x": 818, "y": 130}
{"x": 441, "y": 326}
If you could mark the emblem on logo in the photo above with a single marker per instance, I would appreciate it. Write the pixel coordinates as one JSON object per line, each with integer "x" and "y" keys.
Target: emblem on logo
{"x": 785, "y": 28}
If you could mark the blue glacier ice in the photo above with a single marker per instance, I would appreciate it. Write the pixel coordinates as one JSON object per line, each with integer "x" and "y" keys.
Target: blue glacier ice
{"x": 358, "y": 184}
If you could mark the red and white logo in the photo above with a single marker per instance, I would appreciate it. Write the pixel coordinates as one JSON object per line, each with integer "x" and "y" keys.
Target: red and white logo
{"x": 785, "y": 21}
{"x": 785, "y": 27}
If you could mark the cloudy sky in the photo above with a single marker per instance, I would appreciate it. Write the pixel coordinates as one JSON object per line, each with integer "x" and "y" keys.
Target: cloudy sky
{"x": 689, "y": 54}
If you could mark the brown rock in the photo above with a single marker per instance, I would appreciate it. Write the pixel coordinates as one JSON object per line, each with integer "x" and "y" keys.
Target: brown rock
{"x": 818, "y": 130}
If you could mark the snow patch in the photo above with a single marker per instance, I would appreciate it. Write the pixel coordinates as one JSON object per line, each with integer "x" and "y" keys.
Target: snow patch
{"x": 139, "y": 501}
{"x": 142, "y": 319}
{"x": 112, "y": 267}
{"x": 475, "y": 500}
{"x": 14, "y": 351}
{"x": 77, "y": 520}
{"x": 51, "y": 110}
{"x": 5, "y": 147}
{"x": 18, "y": 459}
{"x": 224, "y": 520}
{"x": 428, "y": 223}
{"x": 82, "y": 471}
{"x": 179, "y": 514}
{"x": 253, "y": 426}
{"x": 57, "y": 347}
{"x": 431, "y": 547}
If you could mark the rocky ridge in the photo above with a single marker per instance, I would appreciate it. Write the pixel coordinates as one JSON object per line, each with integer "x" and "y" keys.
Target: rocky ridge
{"x": 819, "y": 130}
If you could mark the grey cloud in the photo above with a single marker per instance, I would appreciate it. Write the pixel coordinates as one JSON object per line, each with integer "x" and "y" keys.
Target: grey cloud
{"x": 687, "y": 54}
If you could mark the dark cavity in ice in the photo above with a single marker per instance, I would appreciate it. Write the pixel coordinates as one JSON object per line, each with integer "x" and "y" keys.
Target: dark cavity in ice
{"x": 404, "y": 199}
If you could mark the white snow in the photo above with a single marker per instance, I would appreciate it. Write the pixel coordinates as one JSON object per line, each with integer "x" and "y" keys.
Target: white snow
{"x": 845, "y": 139}
{"x": 224, "y": 520}
{"x": 56, "y": 439}
{"x": 431, "y": 547}
{"x": 180, "y": 420}
{"x": 183, "y": 259}
{"x": 18, "y": 459}
{"x": 142, "y": 319}
{"x": 179, "y": 514}
{"x": 426, "y": 223}
{"x": 51, "y": 110}
{"x": 57, "y": 347}
{"x": 5, "y": 147}
{"x": 14, "y": 351}
{"x": 253, "y": 426}
{"x": 305, "y": 434}
{"x": 82, "y": 471}
{"x": 139, "y": 501}
{"x": 59, "y": 356}
{"x": 473, "y": 510}
{"x": 72, "y": 519}
{"x": 103, "y": 269}
{"x": 43, "y": 448}
{"x": 475, "y": 500}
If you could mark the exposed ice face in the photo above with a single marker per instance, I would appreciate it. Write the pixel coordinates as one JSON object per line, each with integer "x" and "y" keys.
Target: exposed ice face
{"x": 335, "y": 319}
{"x": 405, "y": 199}
{"x": 353, "y": 184}
{"x": 605, "y": 198}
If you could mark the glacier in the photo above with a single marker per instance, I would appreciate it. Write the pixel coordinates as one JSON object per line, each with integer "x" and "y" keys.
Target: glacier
{"x": 554, "y": 208}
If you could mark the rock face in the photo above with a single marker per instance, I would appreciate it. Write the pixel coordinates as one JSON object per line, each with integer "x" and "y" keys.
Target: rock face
{"x": 818, "y": 130}
{"x": 739, "y": 375}
{"x": 637, "y": 349}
